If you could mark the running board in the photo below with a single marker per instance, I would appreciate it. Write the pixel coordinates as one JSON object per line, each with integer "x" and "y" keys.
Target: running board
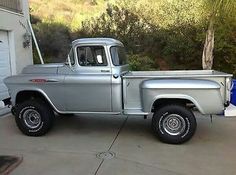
{"x": 134, "y": 112}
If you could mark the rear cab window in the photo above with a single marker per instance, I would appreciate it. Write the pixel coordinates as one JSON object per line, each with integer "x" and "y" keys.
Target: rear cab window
{"x": 118, "y": 55}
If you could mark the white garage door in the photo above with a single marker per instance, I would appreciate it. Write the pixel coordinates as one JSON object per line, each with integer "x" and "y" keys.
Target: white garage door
{"x": 5, "y": 66}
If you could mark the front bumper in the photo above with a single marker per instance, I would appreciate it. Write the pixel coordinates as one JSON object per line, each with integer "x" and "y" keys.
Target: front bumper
{"x": 5, "y": 102}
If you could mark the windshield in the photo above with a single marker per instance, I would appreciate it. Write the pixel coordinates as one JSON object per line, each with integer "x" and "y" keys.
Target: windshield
{"x": 118, "y": 55}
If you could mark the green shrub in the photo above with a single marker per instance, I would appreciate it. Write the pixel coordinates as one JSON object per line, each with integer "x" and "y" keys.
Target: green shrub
{"x": 139, "y": 62}
{"x": 158, "y": 35}
{"x": 54, "y": 41}
{"x": 177, "y": 45}
{"x": 181, "y": 46}
{"x": 119, "y": 23}
{"x": 225, "y": 46}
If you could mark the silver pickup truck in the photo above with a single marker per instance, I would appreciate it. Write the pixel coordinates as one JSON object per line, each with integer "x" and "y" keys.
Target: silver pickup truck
{"x": 96, "y": 80}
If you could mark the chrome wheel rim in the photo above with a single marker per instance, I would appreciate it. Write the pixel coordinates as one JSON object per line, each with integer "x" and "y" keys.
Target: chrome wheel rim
{"x": 174, "y": 124}
{"x": 32, "y": 118}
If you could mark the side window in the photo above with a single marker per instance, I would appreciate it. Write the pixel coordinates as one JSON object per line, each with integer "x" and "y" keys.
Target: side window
{"x": 92, "y": 56}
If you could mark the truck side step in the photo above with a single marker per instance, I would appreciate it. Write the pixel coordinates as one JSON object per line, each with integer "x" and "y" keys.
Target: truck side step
{"x": 135, "y": 112}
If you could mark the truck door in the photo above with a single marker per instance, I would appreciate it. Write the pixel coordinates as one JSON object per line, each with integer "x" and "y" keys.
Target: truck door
{"x": 88, "y": 86}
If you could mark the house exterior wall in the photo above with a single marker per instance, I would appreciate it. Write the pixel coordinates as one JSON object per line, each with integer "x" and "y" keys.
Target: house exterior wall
{"x": 16, "y": 25}
{"x": 13, "y": 24}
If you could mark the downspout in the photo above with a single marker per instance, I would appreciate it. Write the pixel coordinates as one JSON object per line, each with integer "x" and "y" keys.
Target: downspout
{"x": 35, "y": 41}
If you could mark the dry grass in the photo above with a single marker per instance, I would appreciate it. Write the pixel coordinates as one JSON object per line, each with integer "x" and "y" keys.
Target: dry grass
{"x": 68, "y": 12}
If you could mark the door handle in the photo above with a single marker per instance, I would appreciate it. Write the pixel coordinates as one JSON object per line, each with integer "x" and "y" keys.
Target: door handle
{"x": 105, "y": 71}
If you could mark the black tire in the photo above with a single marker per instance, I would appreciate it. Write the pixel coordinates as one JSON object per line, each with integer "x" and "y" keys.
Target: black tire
{"x": 174, "y": 124}
{"x": 34, "y": 117}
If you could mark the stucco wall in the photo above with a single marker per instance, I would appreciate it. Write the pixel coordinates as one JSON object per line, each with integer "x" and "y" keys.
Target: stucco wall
{"x": 16, "y": 25}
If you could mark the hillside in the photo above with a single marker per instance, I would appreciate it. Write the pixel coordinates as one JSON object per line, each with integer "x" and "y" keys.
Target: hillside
{"x": 68, "y": 12}
{"x": 158, "y": 34}
{"x": 73, "y": 12}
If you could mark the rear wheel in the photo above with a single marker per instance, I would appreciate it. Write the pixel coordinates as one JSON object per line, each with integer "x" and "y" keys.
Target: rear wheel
{"x": 34, "y": 117}
{"x": 174, "y": 124}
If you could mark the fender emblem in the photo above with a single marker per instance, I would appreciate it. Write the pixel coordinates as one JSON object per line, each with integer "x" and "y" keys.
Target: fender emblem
{"x": 38, "y": 80}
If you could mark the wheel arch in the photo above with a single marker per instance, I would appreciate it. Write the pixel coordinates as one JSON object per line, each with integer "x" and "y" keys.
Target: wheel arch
{"x": 162, "y": 100}
{"x": 24, "y": 95}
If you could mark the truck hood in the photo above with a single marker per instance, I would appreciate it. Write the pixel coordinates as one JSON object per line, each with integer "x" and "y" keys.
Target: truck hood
{"x": 42, "y": 68}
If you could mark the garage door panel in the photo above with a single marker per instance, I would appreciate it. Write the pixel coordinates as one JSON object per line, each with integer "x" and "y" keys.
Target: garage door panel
{"x": 5, "y": 66}
{"x": 4, "y": 40}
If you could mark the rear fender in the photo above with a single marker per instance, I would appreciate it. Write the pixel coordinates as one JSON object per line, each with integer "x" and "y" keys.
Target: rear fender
{"x": 174, "y": 97}
{"x": 204, "y": 94}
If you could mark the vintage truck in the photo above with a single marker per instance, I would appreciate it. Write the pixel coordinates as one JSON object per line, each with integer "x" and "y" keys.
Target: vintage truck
{"x": 96, "y": 80}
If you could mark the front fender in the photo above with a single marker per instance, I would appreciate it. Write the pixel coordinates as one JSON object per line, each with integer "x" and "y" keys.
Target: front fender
{"x": 52, "y": 88}
{"x": 204, "y": 94}
{"x": 40, "y": 91}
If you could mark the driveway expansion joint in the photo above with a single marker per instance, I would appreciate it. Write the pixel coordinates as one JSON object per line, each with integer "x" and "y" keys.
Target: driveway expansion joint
{"x": 106, "y": 155}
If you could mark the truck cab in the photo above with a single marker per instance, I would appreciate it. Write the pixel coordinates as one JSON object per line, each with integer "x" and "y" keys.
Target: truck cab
{"x": 93, "y": 75}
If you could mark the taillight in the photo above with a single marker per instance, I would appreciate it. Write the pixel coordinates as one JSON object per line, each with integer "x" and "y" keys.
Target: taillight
{"x": 229, "y": 86}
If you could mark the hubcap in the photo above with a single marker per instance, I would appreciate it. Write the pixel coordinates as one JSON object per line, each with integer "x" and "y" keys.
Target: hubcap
{"x": 32, "y": 118}
{"x": 174, "y": 124}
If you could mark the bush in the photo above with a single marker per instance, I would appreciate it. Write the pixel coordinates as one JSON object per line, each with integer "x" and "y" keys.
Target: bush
{"x": 168, "y": 38}
{"x": 120, "y": 23}
{"x": 225, "y": 46}
{"x": 53, "y": 40}
{"x": 181, "y": 46}
{"x": 139, "y": 62}
{"x": 177, "y": 45}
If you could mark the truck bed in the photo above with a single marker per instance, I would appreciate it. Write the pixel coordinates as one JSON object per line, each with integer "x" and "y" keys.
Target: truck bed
{"x": 132, "y": 81}
{"x": 176, "y": 74}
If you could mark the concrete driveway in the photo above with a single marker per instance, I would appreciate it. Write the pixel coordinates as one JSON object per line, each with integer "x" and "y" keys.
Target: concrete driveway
{"x": 73, "y": 144}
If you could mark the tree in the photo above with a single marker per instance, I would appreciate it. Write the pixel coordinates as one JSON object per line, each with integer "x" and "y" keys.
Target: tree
{"x": 215, "y": 8}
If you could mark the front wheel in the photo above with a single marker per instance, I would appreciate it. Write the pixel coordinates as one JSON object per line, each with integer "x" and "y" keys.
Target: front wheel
{"x": 174, "y": 124}
{"x": 34, "y": 117}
